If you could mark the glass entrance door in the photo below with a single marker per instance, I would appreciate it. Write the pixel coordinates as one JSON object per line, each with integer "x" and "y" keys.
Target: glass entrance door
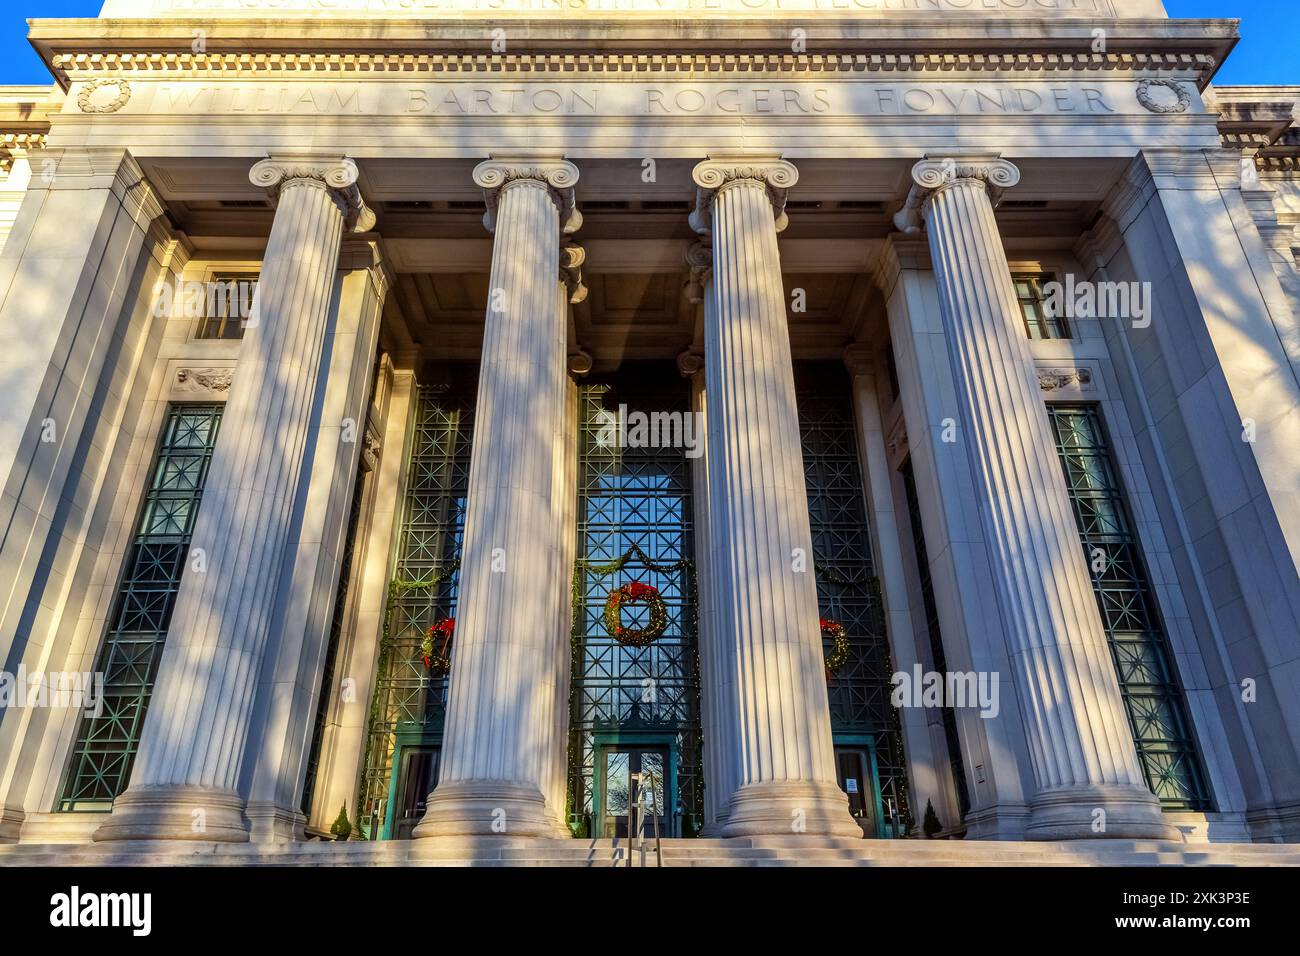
{"x": 417, "y": 775}
{"x": 626, "y": 770}
{"x": 854, "y": 770}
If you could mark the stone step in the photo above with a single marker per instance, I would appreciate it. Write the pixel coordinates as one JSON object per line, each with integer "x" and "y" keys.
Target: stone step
{"x": 777, "y": 851}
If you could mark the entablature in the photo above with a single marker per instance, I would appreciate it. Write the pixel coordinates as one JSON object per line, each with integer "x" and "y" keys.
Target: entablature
{"x": 844, "y": 41}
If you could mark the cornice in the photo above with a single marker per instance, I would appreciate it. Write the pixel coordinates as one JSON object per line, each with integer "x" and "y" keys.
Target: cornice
{"x": 898, "y": 254}
{"x": 13, "y": 144}
{"x": 860, "y": 360}
{"x": 1099, "y": 245}
{"x": 70, "y": 66}
{"x": 363, "y": 251}
{"x": 914, "y": 30}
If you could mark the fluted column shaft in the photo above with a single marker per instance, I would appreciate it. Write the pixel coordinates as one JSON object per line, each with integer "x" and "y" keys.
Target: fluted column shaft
{"x": 1079, "y": 741}
{"x": 504, "y": 690}
{"x": 186, "y": 773}
{"x": 772, "y": 669}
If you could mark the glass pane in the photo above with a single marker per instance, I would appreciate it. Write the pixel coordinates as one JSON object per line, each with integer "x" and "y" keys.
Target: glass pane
{"x": 617, "y": 783}
{"x": 151, "y": 575}
{"x": 652, "y": 768}
{"x": 1153, "y": 697}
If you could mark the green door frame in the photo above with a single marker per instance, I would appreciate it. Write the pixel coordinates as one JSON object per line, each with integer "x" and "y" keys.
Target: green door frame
{"x": 867, "y": 741}
{"x": 603, "y": 740}
{"x": 408, "y": 734}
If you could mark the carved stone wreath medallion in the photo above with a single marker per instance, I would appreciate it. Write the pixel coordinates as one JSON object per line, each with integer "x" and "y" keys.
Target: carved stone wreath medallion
{"x": 89, "y": 102}
{"x": 1162, "y": 95}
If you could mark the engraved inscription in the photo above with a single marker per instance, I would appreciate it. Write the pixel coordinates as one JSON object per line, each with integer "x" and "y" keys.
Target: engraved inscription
{"x": 792, "y": 99}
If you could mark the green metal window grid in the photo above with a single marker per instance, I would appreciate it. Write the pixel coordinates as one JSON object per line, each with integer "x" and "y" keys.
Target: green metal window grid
{"x": 407, "y": 700}
{"x": 937, "y": 655}
{"x": 105, "y": 746}
{"x": 1152, "y": 694}
{"x": 634, "y": 498}
{"x": 847, "y": 588}
{"x": 337, "y": 619}
{"x": 1040, "y": 323}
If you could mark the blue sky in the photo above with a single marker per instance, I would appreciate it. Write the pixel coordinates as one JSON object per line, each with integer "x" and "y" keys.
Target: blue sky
{"x": 1266, "y": 54}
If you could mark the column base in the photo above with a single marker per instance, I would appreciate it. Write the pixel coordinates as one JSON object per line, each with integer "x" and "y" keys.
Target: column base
{"x": 485, "y": 808}
{"x": 268, "y": 823}
{"x": 784, "y": 808}
{"x": 1000, "y": 821}
{"x": 11, "y": 823}
{"x": 204, "y": 814}
{"x": 1076, "y": 813}
{"x": 1276, "y": 824}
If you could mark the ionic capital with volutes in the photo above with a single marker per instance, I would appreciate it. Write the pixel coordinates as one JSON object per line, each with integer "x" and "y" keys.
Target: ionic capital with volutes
{"x": 556, "y": 175}
{"x": 722, "y": 171}
{"x": 936, "y": 173}
{"x": 337, "y": 174}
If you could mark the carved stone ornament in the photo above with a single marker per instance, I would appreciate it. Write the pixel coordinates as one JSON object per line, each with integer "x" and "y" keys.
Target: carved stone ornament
{"x": 572, "y": 256}
{"x": 716, "y": 173}
{"x": 936, "y": 172}
{"x": 89, "y": 102}
{"x": 690, "y": 362}
{"x": 580, "y": 362}
{"x": 699, "y": 259}
{"x": 560, "y": 177}
{"x": 897, "y": 441}
{"x": 370, "y": 446}
{"x": 205, "y": 380}
{"x": 338, "y": 175}
{"x": 1154, "y": 93}
{"x": 1054, "y": 379}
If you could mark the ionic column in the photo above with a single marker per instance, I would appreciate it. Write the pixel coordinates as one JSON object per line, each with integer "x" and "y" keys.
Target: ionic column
{"x": 186, "y": 773}
{"x": 504, "y": 690}
{"x": 772, "y": 671}
{"x": 1088, "y": 779}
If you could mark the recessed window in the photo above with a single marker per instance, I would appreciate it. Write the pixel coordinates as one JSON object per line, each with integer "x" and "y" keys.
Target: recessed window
{"x": 1040, "y": 322}
{"x": 227, "y": 304}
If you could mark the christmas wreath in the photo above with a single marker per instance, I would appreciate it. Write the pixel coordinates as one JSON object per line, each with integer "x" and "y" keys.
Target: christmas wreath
{"x": 438, "y": 659}
{"x": 839, "y": 655}
{"x": 635, "y": 593}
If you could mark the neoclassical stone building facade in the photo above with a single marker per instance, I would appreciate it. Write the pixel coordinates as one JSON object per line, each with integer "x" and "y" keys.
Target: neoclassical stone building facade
{"x": 811, "y": 419}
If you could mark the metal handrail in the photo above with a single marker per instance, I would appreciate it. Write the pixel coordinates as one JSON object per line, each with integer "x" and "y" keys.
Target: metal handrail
{"x": 635, "y": 811}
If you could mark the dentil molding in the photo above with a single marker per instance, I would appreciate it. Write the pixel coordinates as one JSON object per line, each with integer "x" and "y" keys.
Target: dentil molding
{"x": 703, "y": 65}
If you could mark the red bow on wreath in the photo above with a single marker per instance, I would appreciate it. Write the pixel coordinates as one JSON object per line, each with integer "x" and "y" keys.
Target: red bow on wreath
{"x": 439, "y": 663}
